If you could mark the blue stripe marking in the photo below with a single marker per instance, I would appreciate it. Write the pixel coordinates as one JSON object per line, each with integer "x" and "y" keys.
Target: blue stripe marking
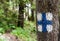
{"x": 44, "y": 22}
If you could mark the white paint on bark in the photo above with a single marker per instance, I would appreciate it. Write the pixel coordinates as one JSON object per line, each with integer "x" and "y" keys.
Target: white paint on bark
{"x": 39, "y": 16}
{"x": 40, "y": 28}
{"x": 49, "y": 28}
{"x": 49, "y": 16}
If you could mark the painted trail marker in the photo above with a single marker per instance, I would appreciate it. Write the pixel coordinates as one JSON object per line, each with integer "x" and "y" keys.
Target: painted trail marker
{"x": 47, "y": 20}
{"x": 44, "y": 21}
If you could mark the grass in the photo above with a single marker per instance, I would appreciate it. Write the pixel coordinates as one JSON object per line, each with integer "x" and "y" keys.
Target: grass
{"x": 26, "y": 34}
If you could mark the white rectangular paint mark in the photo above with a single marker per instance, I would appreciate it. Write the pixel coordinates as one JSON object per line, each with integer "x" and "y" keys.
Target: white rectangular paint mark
{"x": 49, "y": 16}
{"x": 40, "y": 28}
{"x": 49, "y": 28}
{"x": 39, "y": 16}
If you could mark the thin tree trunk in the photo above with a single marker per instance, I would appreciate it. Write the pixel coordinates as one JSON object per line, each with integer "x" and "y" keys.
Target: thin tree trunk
{"x": 21, "y": 16}
{"x": 32, "y": 11}
{"x": 32, "y": 15}
{"x": 48, "y": 6}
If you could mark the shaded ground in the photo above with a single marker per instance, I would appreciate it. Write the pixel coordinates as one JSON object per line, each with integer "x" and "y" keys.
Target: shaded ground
{"x": 8, "y": 37}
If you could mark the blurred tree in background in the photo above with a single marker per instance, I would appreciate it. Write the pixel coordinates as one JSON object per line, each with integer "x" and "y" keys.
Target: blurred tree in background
{"x": 18, "y": 17}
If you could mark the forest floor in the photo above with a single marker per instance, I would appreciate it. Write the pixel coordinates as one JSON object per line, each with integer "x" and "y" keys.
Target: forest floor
{"x": 28, "y": 33}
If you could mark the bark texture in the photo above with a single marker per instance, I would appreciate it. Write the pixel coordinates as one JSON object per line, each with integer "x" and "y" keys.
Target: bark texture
{"x": 49, "y": 6}
{"x": 21, "y": 16}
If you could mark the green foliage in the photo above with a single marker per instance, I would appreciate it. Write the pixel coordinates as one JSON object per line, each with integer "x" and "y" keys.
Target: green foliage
{"x": 1, "y": 40}
{"x": 2, "y": 30}
{"x": 26, "y": 34}
{"x": 8, "y": 20}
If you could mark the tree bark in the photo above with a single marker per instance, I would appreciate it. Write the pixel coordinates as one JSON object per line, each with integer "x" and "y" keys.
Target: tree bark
{"x": 48, "y": 6}
{"x": 32, "y": 11}
{"x": 32, "y": 15}
{"x": 21, "y": 16}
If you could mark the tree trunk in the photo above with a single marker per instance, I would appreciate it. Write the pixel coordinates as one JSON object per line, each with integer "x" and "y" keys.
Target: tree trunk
{"x": 32, "y": 11}
{"x": 32, "y": 15}
{"x": 21, "y": 16}
{"x": 48, "y": 6}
